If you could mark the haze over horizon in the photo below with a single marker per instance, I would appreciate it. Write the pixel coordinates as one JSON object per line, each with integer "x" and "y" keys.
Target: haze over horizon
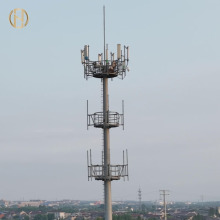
{"x": 171, "y": 99}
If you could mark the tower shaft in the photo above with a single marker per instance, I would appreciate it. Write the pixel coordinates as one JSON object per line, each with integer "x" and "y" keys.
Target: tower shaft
{"x": 107, "y": 162}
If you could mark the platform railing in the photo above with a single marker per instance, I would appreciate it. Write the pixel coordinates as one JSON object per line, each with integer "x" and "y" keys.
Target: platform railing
{"x": 114, "y": 119}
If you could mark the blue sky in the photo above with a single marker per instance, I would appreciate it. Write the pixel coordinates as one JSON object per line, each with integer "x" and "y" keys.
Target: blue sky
{"x": 171, "y": 98}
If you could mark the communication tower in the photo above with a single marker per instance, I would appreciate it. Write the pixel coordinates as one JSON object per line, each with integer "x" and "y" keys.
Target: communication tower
{"x": 139, "y": 198}
{"x": 107, "y": 66}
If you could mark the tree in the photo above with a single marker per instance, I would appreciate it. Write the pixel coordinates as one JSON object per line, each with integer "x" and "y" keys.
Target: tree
{"x": 211, "y": 211}
{"x": 198, "y": 217}
{"x": 122, "y": 217}
{"x": 40, "y": 217}
{"x": 216, "y": 212}
{"x": 143, "y": 207}
{"x": 50, "y": 216}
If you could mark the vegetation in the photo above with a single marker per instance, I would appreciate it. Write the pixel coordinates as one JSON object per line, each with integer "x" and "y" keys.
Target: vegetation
{"x": 213, "y": 212}
{"x": 122, "y": 211}
{"x": 122, "y": 217}
{"x": 40, "y": 217}
{"x": 198, "y": 217}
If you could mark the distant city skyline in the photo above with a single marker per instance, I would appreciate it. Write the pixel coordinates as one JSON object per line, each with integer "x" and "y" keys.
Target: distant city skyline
{"x": 171, "y": 99}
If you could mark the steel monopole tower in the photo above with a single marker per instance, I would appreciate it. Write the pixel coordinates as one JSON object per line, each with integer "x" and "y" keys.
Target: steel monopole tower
{"x": 107, "y": 66}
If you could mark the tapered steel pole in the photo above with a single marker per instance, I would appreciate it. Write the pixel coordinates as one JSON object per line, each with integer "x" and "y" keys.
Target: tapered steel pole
{"x": 106, "y": 138}
{"x": 107, "y": 181}
{"x": 104, "y": 69}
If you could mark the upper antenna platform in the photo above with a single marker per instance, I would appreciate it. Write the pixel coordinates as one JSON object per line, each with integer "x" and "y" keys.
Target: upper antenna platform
{"x": 106, "y": 66}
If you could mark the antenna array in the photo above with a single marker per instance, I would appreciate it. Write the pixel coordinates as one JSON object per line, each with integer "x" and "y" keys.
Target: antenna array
{"x": 107, "y": 66}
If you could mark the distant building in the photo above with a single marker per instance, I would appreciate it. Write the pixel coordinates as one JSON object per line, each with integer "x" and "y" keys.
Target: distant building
{"x": 4, "y": 203}
{"x": 60, "y": 215}
{"x": 71, "y": 218}
{"x": 32, "y": 203}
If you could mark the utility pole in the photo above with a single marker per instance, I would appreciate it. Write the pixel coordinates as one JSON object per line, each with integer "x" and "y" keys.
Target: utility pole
{"x": 104, "y": 68}
{"x": 164, "y": 193}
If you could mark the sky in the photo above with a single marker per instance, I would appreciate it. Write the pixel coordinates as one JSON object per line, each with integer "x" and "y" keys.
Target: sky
{"x": 171, "y": 99}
